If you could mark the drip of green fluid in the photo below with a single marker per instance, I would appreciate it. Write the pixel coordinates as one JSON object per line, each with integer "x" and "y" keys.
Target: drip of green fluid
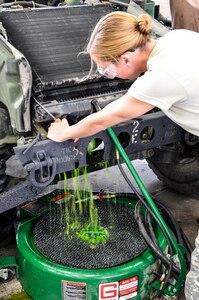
{"x": 60, "y": 204}
{"x": 68, "y": 212}
{"x": 78, "y": 196}
{"x": 104, "y": 165}
{"x": 67, "y": 220}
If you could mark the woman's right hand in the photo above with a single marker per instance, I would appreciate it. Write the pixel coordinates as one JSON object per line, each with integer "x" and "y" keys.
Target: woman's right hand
{"x": 57, "y": 130}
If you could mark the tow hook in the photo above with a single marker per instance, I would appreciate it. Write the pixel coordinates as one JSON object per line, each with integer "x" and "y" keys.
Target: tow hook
{"x": 42, "y": 169}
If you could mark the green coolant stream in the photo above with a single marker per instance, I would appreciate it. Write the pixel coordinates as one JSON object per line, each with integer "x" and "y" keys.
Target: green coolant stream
{"x": 73, "y": 207}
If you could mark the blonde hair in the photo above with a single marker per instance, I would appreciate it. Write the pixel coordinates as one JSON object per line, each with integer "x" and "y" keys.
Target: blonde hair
{"x": 117, "y": 33}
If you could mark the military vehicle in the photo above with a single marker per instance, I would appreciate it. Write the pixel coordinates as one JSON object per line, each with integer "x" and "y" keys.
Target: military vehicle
{"x": 42, "y": 61}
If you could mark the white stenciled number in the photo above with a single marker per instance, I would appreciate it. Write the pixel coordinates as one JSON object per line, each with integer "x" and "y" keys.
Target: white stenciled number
{"x": 135, "y": 132}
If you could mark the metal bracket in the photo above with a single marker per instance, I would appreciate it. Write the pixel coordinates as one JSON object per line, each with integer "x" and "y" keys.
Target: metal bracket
{"x": 4, "y": 274}
{"x": 5, "y": 263}
{"x": 42, "y": 169}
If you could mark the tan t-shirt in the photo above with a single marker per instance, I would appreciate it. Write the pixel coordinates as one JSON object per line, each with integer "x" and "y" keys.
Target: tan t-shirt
{"x": 172, "y": 80}
{"x": 184, "y": 15}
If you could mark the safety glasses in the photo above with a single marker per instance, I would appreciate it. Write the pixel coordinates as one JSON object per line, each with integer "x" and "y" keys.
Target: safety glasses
{"x": 108, "y": 72}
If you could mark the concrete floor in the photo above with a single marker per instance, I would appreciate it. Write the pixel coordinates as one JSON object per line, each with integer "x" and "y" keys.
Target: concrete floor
{"x": 185, "y": 209}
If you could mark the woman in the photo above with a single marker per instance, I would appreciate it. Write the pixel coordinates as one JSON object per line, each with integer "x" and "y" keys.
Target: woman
{"x": 121, "y": 46}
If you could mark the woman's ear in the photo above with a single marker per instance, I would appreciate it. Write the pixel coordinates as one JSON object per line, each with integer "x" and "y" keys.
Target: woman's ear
{"x": 126, "y": 59}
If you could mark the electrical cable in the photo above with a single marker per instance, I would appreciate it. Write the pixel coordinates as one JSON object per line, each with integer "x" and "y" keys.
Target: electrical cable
{"x": 153, "y": 236}
{"x": 189, "y": 248}
{"x": 167, "y": 277}
{"x": 177, "y": 230}
{"x": 186, "y": 241}
{"x": 170, "y": 220}
{"x": 152, "y": 240}
{"x": 168, "y": 264}
{"x": 153, "y": 245}
{"x": 150, "y": 227}
{"x": 165, "y": 261}
{"x": 144, "y": 203}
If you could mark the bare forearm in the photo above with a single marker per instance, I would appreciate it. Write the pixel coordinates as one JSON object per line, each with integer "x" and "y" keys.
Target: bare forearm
{"x": 116, "y": 112}
{"x": 86, "y": 127}
{"x": 61, "y": 131}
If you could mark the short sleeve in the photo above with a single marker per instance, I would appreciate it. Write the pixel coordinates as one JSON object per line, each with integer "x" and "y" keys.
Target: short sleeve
{"x": 159, "y": 89}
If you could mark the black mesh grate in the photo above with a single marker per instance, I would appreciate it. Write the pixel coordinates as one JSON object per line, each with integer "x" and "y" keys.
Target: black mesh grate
{"x": 123, "y": 244}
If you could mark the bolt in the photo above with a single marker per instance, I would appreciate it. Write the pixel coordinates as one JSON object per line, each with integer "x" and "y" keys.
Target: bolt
{"x": 40, "y": 155}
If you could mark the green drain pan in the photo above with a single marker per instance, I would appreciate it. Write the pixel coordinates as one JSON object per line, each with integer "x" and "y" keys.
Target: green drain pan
{"x": 47, "y": 274}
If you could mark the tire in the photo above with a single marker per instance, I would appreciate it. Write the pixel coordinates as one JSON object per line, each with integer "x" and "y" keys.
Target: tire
{"x": 7, "y": 218}
{"x": 5, "y": 153}
{"x": 181, "y": 176}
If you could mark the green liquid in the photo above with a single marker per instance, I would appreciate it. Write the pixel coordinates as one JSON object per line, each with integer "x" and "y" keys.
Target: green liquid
{"x": 20, "y": 296}
{"x": 73, "y": 209}
{"x": 93, "y": 236}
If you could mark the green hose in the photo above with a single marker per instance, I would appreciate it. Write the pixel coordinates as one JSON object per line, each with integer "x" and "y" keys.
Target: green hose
{"x": 178, "y": 249}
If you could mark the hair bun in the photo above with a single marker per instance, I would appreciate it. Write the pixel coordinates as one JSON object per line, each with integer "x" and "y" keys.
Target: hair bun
{"x": 144, "y": 24}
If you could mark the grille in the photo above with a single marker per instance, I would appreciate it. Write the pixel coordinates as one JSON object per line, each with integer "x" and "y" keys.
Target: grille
{"x": 52, "y": 38}
{"x": 124, "y": 241}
